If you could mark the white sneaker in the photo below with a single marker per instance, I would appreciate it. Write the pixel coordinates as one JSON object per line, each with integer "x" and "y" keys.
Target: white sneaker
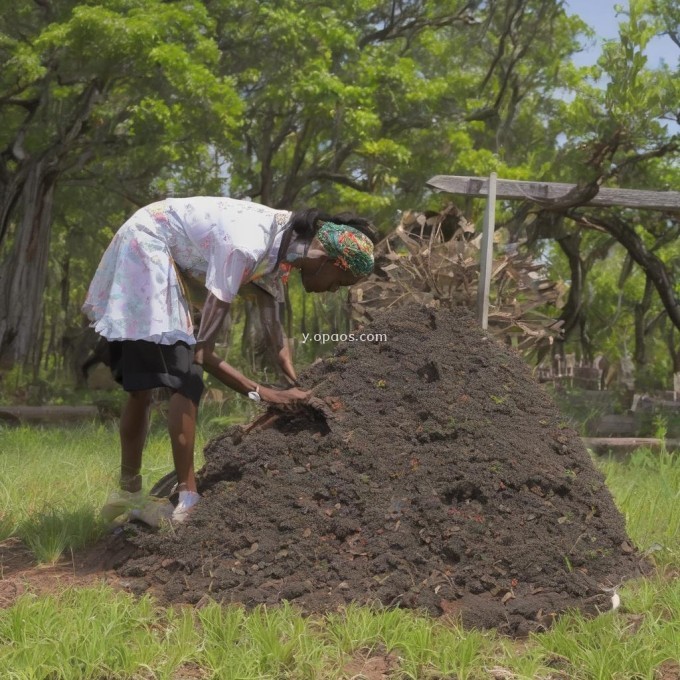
{"x": 120, "y": 502}
{"x": 187, "y": 502}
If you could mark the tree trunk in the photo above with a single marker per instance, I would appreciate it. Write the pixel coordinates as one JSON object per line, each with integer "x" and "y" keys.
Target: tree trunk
{"x": 672, "y": 349}
{"x": 289, "y": 319}
{"x": 29, "y": 196}
{"x": 24, "y": 270}
{"x": 571, "y": 312}
{"x": 65, "y": 286}
{"x": 316, "y": 328}
{"x": 641, "y": 309}
{"x": 303, "y": 316}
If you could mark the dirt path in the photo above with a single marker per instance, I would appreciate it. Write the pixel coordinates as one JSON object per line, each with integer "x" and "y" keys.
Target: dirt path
{"x": 20, "y": 574}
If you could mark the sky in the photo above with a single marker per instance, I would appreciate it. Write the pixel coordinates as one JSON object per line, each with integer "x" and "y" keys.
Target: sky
{"x": 601, "y": 16}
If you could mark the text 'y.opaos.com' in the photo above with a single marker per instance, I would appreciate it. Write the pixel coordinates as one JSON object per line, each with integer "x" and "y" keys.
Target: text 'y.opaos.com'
{"x": 343, "y": 337}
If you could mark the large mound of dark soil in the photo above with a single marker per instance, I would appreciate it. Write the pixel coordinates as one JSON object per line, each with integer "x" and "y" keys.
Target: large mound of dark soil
{"x": 445, "y": 479}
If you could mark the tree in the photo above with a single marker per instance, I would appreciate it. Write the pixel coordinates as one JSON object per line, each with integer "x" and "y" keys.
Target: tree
{"x": 346, "y": 105}
{"x": 619, "y": 135}
{"x": 354, "y": 105}
{"x": 119, "y": 93}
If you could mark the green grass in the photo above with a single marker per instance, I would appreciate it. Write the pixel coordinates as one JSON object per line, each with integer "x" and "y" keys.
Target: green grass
{"x": 84, "y": 633}
{"x": 647, "y": 490}
{"x": 630, "y": 644}
{"x": 55, "y": 479}
{"x": 96, "y": 632}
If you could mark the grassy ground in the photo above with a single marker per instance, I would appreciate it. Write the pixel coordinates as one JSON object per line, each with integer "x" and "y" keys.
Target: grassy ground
{"x": 55, "y": 479}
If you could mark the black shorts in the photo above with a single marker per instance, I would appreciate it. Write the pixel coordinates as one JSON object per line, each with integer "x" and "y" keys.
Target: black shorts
{"x": 142, "y": 365}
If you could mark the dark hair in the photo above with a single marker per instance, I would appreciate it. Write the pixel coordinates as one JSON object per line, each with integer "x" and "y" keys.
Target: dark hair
{"x": 307, "y": 222}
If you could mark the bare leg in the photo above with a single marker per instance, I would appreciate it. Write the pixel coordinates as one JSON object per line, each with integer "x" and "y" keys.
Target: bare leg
{"x": 182, "y": 429}
{"x": 134, "y": 426}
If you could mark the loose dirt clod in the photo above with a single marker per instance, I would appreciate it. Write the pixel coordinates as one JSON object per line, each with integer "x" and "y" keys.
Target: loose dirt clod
{"x": 441, "y": 476}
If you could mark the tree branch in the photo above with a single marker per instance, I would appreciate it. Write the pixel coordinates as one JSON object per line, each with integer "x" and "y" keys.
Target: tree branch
{"x": 653, "y": 267}
{"x": 338, "y": 178}
{"x": 404, "y": 25}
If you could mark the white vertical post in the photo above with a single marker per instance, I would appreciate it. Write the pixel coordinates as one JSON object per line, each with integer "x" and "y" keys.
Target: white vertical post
{"x": 486, "y": 254}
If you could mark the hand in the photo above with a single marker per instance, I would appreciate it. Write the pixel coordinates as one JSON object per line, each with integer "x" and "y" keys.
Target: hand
{"x": 290, "y": 397}
{"x": 198, "y": 356}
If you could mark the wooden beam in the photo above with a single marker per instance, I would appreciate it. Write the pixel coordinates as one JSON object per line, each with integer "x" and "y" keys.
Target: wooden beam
{"x": 541, "y": 191}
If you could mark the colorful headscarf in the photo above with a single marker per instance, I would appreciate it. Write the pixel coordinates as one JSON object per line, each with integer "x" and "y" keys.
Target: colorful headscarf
{"x": 348, "y": 246}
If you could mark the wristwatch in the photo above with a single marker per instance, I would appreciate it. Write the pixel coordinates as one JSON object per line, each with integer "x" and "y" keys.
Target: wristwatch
{"x": 255, "y": 394}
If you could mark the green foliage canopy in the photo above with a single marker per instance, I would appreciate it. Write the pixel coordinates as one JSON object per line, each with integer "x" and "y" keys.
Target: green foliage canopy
{"x": 104, "y": 96}
{"x": 107, "y": 105}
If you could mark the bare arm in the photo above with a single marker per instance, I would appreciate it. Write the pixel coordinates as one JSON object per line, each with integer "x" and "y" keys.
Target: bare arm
{"x": 234, "y": 379}
{"x": 214, "y": 313}
{"x": 212, "y": 316}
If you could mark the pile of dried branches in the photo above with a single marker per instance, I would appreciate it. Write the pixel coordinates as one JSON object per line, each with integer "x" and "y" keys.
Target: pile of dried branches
{"x": 433, "y": 259}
